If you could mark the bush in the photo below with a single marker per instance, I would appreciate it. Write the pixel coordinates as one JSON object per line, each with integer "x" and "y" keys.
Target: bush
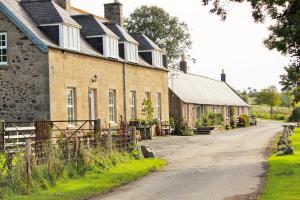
{"x": 245, "y": 120}
{"x": 295, "y": 117}
{"x": 215, "y": 119}
{"x": 185, "y": 130}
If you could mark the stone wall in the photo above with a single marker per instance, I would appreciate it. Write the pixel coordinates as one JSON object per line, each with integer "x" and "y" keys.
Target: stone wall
{"x": 24, "y": 91}
{"x": 77, "y": 71}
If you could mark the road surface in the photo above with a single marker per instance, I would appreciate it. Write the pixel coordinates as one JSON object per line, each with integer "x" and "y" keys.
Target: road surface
{"x": 227, "y": 166}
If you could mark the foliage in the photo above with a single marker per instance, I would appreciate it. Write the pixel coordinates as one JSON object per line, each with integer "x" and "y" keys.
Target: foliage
{"x": 232, "y": 117}
{"x": 185, "y": 129}
{"x": 166, "y": 31}
{"x": 263, "y": 112}
{"x": 57, "y": 164}
{"x": 295, "y": 117}
{"x": 244, "y": 95}
{"x": 94, "y": 183}
{"x": 215, "y": 119}
{"x": 147, "y": 110}
{"x": 284, "y": 32}
{"x": 286, "y": 100}
{"x": 245, "y": 120}
{"x": 291, "y": 80}
{"x": 284, "y": 174}
{"x": 172, "y": 122}
{"x": 268, "y": 96}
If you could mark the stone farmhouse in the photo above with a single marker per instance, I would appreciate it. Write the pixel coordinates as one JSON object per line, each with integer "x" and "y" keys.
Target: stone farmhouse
{"x": 62, "y": 63}
{"x": 191, "y": 97}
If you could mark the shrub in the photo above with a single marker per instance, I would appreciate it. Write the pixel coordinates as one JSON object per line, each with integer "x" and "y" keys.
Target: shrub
{"x": 185, "y": 129}
{"x": 245, "y": 120}
{"x": 295, "y": 117}
{"x": 215, "y": 119}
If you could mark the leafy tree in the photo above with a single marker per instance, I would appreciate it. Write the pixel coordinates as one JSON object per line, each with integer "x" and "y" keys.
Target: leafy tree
{"x": 291, "y": 80}
{"x": 286, "y": 100}
{"x": 284, "y": 32}
{"x": 269, "y": 96}
{"x": 166, "y": 31}
{"x": 244, "y": 95}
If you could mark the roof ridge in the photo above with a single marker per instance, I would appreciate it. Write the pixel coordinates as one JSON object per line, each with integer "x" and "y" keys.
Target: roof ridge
{"x": 205, "y": 77}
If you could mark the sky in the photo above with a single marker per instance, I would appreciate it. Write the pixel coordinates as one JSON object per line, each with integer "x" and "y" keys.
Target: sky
{"x": 235, "y": 45}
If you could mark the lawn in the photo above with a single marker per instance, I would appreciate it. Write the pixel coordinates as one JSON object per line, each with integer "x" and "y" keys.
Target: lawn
{"x": 263, "y": 111}
{"x": 95, "y": 183}
{"x": 283, "y": 181}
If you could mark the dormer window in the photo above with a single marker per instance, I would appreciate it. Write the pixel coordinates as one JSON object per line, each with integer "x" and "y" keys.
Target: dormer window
{"x": 111, "y": 47}
{"x": 69, "y": 37}
{"x": 157, "y": 58}
{"x": 131, "y": 54}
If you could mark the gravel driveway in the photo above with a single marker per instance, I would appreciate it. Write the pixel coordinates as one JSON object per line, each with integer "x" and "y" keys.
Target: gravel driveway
{"x": 223, "y": 166}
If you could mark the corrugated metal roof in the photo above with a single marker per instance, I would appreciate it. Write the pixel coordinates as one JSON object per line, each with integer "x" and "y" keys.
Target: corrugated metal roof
{"x": 201, "y": 90}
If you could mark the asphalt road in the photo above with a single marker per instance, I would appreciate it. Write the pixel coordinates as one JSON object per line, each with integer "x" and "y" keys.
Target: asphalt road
{"x": 227, "y": 166}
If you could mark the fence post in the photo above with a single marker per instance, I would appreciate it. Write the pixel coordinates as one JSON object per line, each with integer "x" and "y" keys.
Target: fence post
{"x": 133, "y": 136}
{"x": 97, "y": 132}
{"x": 28, "y": 153}
{"x": 2, "y": 134}
{"x": 76, "y": 145}
{"x": 109, "y": 140}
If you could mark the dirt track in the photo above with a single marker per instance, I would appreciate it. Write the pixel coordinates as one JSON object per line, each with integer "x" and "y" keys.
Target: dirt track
{"x": 224, "y": 166}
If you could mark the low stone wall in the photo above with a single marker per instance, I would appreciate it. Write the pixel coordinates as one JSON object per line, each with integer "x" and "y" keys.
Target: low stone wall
{"x": 284, "y": 145}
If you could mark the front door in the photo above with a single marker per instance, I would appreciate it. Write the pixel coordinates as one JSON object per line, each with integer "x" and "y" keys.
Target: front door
{"x": 92, "y": 104}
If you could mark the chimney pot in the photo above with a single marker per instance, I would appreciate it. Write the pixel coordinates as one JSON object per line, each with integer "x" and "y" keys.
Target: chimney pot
{"x": 223, "y": 76}
{"x": 183, "y": 64}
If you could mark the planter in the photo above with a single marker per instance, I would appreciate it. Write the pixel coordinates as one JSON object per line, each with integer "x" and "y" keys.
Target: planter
{"x": 204, "y": 130}
{"x": 146, "y": 132}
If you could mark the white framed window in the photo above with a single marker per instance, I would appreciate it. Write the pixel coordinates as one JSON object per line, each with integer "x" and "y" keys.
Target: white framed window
{"x": 70, "y": 37}
{"x": 71, "y": 106}
{"x": 111, "y": 47}
{"x": 3, "y": 48}
{"x": 158, "y": 106}
{"x": 131, "y": 54}
{"x": 157, "y": 58}
{"x": 111, "y": 105}
{"x": 133, "y": 105}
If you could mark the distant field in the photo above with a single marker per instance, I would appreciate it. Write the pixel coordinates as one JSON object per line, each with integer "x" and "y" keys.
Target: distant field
{"x": 263, "y": 111}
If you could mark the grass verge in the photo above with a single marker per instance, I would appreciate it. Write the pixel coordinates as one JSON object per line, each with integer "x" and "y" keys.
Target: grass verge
{"x": 283, "y": 181}
{"x": 95, "y": 183}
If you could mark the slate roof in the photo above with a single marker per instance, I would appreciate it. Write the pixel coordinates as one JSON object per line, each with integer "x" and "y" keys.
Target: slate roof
{"x": 201, "y": 90}
{"x": 121, "y": 33}
{"x": 145, "y": 42}
{"x": 91, "y": 26}
{"x": 47, "y": 12}
{"x": 24, "y": 21}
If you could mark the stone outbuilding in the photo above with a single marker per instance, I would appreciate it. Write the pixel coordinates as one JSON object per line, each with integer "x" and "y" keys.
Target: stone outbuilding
{"x": 62, "y": 63}
{"x": 191, "y": 97}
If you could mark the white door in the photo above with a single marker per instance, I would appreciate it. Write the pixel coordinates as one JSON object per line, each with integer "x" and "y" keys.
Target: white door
{"x": 92, "y": 106}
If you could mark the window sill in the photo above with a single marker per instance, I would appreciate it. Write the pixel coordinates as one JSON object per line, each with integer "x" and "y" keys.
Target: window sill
{"x": 4, "y": 65}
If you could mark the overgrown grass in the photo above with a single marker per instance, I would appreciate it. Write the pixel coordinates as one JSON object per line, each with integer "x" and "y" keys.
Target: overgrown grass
{"x": 263, "y": 112}
{"x": 283, "y": 181}
{"x": 94, "y": 182}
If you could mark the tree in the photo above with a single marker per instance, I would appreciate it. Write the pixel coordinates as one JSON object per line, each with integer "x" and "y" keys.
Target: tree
{"x": 244, "y": 95}
{"x": 286, "y": 100}
{"x": 291, "y": 81}
{"x": 284, "y": 32}
{"x": 166, "y": 31}
{"x": 268, "y": 96}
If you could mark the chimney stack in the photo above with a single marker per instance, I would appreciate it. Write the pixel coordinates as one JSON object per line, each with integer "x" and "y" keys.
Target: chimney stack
{"x": 183, "y": 64}
{"x": 223, "y": 76}
{"x": 65, "y": 4}
{"x": 114, "y": 12}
